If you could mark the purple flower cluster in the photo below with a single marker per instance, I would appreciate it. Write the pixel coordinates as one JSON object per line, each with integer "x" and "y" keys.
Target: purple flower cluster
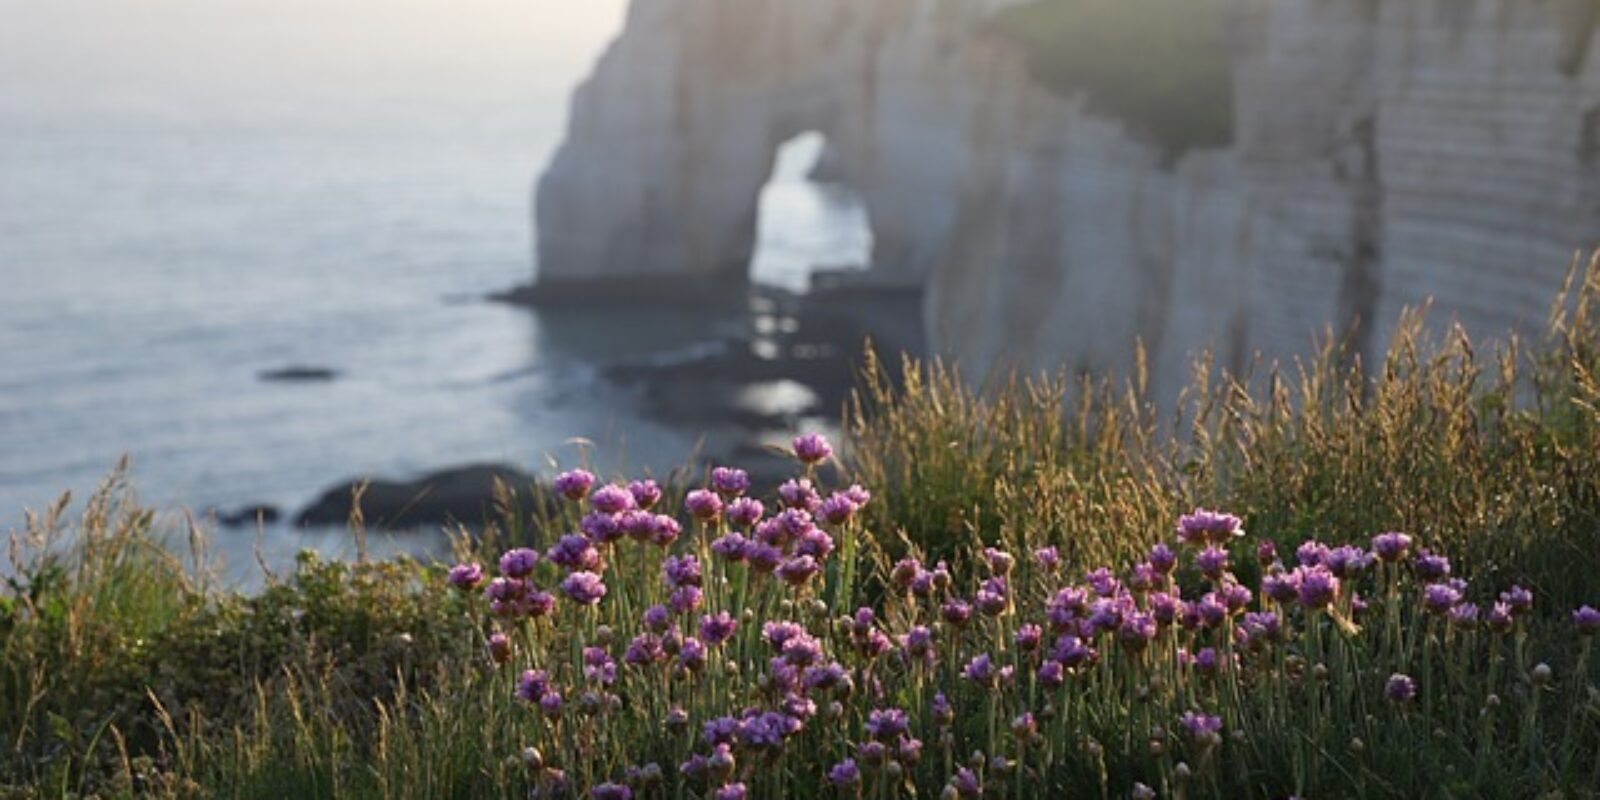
{"x": 788, "y": 674}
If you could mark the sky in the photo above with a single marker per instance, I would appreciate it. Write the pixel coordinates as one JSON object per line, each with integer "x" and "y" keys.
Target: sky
{"x": 249, "y": 59}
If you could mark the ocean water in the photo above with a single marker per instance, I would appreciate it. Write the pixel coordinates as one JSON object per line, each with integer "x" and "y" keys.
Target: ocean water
{"x": 192, "y": 193}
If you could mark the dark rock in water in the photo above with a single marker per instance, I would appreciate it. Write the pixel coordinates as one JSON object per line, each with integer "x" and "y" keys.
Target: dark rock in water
{"x": 459, "y": 495}
{"x": 298, "y": 374}
{"x": 249, "y": 515}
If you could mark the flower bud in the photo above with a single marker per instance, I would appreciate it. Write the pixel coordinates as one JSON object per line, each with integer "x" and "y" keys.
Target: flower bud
{"x": 1542, "y": 674}
{"x": 532, "y": 758}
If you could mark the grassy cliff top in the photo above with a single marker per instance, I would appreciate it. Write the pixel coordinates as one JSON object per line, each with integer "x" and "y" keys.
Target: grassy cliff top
{"x": 1161, "y": 66}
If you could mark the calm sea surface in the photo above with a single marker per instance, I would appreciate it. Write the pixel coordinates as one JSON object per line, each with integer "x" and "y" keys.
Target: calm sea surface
{"x": 192, "y": 193}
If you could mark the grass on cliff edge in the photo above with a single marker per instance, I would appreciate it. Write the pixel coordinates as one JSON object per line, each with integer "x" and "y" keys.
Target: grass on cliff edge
{"x": 123, "y": 674}
{"x": 1160, "y": 66}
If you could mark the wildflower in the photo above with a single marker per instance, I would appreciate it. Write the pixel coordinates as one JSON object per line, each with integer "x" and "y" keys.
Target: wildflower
{"x": 533, "y": 685}
{"x": 1202, "y": 526}
{"x": 1392, "y": 547}
{"x": 941, "y": 710}
{"x": 956, "y": 611}
{"x": 729, "y": 546}
{"x": 730, "y": 482}
{"x": 1024, "y": 726}
{"x": 1263, "y": 627}
{"x": 714, "y": 630}
{"x": 812, "y": 448}
{"x": 886, "y": 723}
{"x": 694, "y": 768}
{"x": 918, "y": 644}
{"x": 505, "y": 590}
{"x": 704, "y": 505}
{"x": 550, "y": 703}
{"x": 1163, "y": 559}
{"x": 1282, "y": 587}
{"x": 1316, "y": 587}
{"x": 1439, "y": 598}
{"x": 1105, "y": 615}
{"x": 815, "y": 543}
{"x": 1027, "y": 637}
{"x": 598, "y": 666}
{"x": 1136, "y": 630}
{"x": 1203, "y": 729}
{"x": 845, "y": 774}
{"x": 1347, "y": 562}
{"x": 574, "y": 484}
{"x": 904, "y": 572}
{"x": 664, "y": 530}
{"x": 966, "y": 784}
{"x": 991, "y": 597}
{"x": 573, "y": 552}
{"x": 645, "y": 494}
{"x": 1205, "y": 661}
{"x": 681, "y": 570}
{"x": 1104, "y": 583}
{"x": 837, "y": 509}
{"x": 719, "y": 731}
{"x": 801, "y": 650}
{"x": 1430, "y": 567}
{"x": 612, "y": 499}
{"x": 1500, "y": 618}
{"x": 721, "y": 764}
{"x": 799, "y": 493}
{"x": 657, "y": 619}
{"x": 1000, "y": 562}
{"x": 909, "y": 751}
{"x": 1165, "y": 608}
{"x": 536, "y": 604}
{"x": 1144, "y": 577}
{"x": 606, "y": 528}
{"x": 746, "y": 511}
{"x": 730, "y": 791}
{"x": 1464, "y": 616}
{"x": 1051, "y": 674}
{"x": 1066, "y": 607}
{"x": 685, "y": 599}
{"x": 1212, "y": 562}
{"x": 584, "y": 588}
{"x": 1519, "y": 599}
{"x": 1071, "y": 652}
{"x": 499, "y": 648}
{"x": 762, "y": 557}
{"x": 1266, "y": 553}
{"x": 1400, "y": 688}
{"x": 1047, "y": 557}
{"x": 645, "y": 649}
{"x": 825, "y": 677}
{"x": 858, "y": 494}
{"x": 1234, "y": 596}
{"x": 1310, "y": 553}
{"x": 1586, "y": 620}
{"x": 980, "y": 670}
{"x": 798, "y": 570}
{"x": 466, "y": 577}
{"x": 611, "y": 791}
{"x": 692, "y": 654}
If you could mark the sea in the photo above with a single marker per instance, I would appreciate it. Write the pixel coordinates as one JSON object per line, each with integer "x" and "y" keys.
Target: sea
{"x": 195, "y": 194}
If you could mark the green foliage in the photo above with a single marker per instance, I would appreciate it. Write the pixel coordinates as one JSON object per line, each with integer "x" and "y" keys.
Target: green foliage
{"x": 1161, "y": 66}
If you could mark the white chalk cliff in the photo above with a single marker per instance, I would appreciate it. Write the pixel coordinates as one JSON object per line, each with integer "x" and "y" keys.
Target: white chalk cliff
{"x": 1382, "y": 153}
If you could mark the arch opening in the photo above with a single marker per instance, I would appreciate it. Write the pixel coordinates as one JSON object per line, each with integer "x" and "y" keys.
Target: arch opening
{"x": 809, "y": 221}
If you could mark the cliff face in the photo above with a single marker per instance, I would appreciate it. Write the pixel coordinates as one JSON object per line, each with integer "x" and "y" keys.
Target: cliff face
{"x": 1383, "y": 153}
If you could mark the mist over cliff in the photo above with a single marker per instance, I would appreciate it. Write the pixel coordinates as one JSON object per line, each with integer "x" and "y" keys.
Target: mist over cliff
{"x": 1064, "y": 178}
